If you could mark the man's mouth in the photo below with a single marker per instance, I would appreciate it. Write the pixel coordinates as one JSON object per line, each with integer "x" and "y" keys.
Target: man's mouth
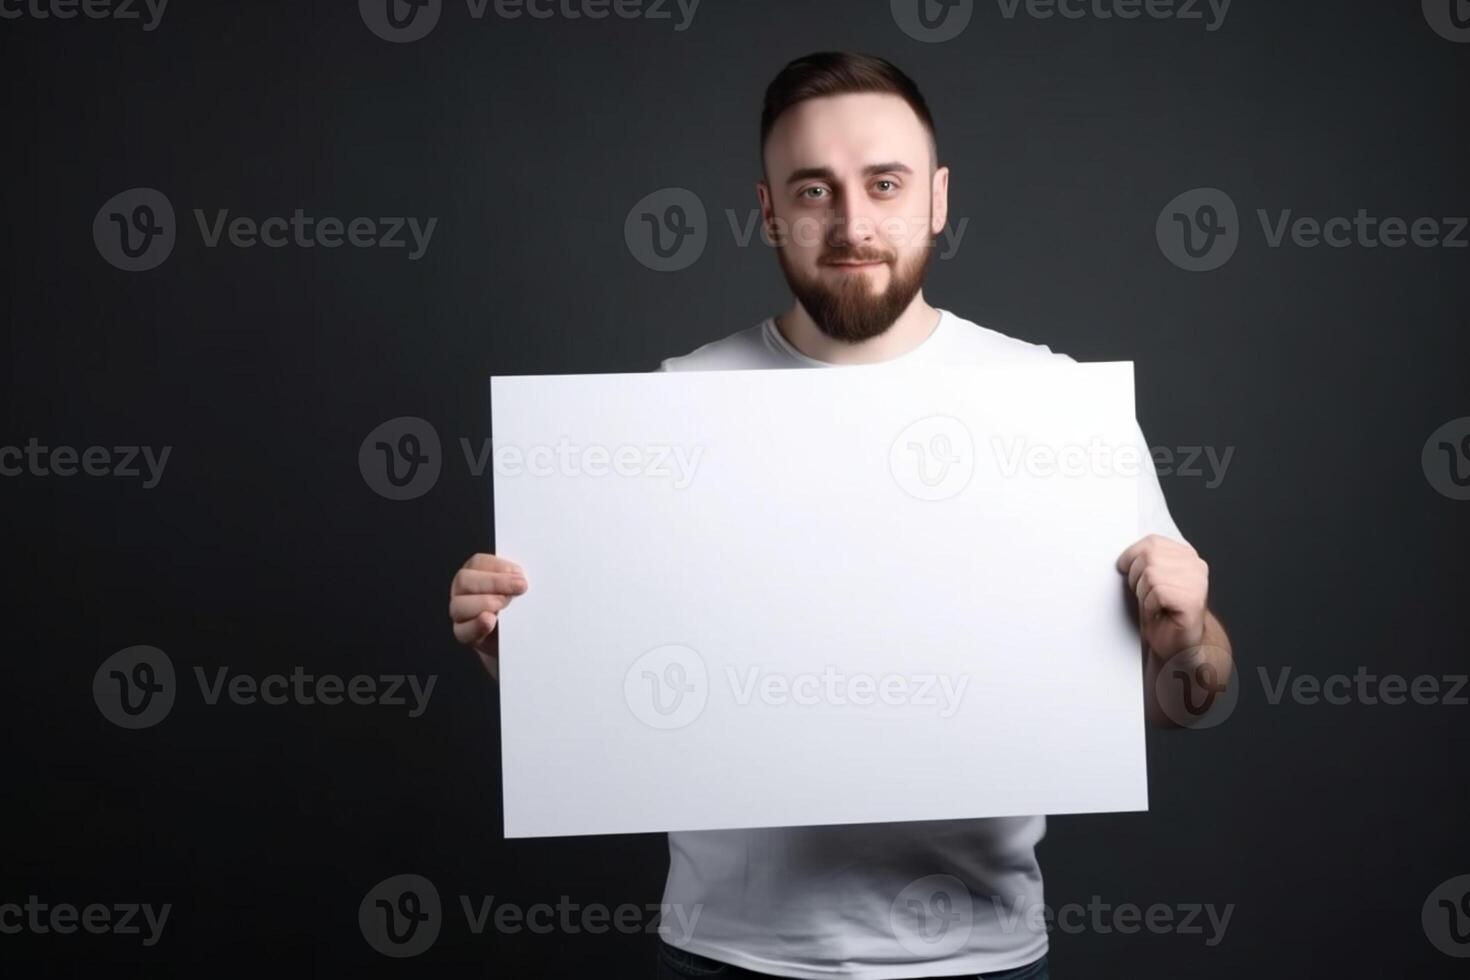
{"x": 855, "y": 265}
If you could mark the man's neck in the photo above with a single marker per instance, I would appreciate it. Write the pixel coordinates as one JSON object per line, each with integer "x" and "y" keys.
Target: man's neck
{"x": 911, "y": 329}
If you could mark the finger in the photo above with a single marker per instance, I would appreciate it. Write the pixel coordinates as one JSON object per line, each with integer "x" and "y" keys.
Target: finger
{"x": 1163, "y": 601}
{"x": 492, "y": 563}
{"x": 1136, "y": 568}
{"x": 1128, "y": 557}
{"x": 472, "y": 632}
{"x": 470, "y": 582}
{"x": 464, "y": 608}
{"x": 1156, "y": 545}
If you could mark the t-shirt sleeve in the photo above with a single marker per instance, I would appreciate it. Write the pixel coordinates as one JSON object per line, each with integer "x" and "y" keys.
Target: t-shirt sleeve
{"x": 1153, "y": 510}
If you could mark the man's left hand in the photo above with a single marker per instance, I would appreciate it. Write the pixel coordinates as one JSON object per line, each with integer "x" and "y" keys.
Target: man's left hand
{"x": 1172, "y": 584}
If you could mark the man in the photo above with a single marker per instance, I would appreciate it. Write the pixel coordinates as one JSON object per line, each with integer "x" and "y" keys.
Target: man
{"x": 853, "y": 196}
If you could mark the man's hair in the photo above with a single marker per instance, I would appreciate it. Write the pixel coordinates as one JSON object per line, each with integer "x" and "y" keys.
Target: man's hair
{"x": 840, "y": 73}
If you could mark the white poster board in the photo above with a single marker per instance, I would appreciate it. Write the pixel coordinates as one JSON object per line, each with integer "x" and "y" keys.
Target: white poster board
{"x": 783, "y": 598}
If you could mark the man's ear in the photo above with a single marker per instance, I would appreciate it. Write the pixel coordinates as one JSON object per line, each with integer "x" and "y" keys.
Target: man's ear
{"x": 940, "y": 204}
{"x": 768, "y": 213}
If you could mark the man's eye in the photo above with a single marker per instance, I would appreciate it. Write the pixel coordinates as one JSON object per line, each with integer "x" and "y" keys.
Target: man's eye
{"x": 812, "y": 193}
{"x": 886, "y": 186}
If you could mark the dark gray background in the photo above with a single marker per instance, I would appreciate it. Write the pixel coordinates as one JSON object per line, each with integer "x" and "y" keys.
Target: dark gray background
{"x": 263, "y": 547}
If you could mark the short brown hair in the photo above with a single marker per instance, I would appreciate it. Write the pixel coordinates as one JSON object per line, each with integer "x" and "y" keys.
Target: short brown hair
{"x": 840, "y": 73}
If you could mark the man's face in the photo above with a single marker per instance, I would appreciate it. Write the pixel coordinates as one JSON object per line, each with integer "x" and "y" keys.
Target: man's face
{"x": 853, "y": 207}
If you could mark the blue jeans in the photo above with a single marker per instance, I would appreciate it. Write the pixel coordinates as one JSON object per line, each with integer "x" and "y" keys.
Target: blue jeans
{"x": 680, "y": 964}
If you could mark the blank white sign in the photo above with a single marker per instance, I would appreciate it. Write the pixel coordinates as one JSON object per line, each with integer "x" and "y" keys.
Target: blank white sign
{"x": 784, "y": 598}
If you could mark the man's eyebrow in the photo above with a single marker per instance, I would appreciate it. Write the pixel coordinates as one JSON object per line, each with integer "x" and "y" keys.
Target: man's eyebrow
{"x": 825, "y": 173}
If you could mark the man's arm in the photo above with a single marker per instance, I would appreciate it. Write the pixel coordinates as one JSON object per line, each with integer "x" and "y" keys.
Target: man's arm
{"x": 1210, "y": 666}
{"x": 1171, "y": 584}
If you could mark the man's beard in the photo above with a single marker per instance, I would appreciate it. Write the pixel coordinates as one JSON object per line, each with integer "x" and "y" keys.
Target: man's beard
{"x": 849, "y": 311}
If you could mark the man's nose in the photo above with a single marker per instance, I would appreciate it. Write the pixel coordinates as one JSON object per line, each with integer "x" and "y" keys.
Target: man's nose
{"x": 851, "y": 223}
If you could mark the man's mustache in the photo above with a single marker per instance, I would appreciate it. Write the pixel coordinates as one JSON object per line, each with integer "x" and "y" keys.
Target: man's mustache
{"x": 837, "y": 256}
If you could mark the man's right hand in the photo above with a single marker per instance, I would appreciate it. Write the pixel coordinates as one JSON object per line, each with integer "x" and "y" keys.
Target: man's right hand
{"x": 480, "y": 590}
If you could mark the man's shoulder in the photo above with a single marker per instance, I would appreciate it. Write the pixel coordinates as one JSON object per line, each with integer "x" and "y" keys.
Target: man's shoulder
{"x": 968, "y": 340}
{"x": 741, "y": 351}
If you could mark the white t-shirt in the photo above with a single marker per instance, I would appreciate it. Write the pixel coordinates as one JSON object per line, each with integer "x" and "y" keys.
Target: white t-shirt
{"x": 818, "y": 902}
